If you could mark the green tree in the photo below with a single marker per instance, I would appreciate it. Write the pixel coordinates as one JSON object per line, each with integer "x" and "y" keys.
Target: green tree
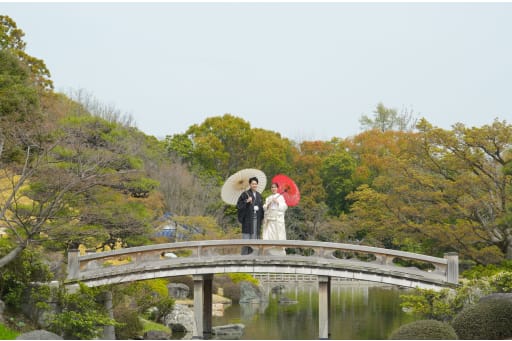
{"x": 270, "y": 152}
{"x": 217, "y": 147}
{"x": 337, "y": 174}
{"x": 11, "y": 38}
{"x": 385, "y": 119}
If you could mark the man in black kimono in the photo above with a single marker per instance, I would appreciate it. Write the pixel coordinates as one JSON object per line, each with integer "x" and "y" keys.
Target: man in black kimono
{"x": 249, "y": 206}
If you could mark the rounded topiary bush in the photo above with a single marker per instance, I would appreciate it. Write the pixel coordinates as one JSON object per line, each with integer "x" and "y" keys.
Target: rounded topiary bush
{"x": 490, "y": 320}
{"x": 424, "y": 330}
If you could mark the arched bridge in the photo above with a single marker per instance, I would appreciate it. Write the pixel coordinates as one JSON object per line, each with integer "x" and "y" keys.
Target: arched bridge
{"x": 203, "y": 259}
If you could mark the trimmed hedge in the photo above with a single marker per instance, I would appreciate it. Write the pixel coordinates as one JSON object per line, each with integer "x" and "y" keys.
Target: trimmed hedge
{"x": 488, "y": 320}
{"x": 424, "y": 330}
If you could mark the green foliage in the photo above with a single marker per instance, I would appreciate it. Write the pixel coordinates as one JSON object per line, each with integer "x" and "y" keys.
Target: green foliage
{"x": 424, "y": 330}
{"x": 488, "y": 320}
{"x": 498, "y": 276}
{"x": 188, "y": 226}
{"x": 481, "y": 271}
{"x": 15, "y": 277}
{"x": 336, "y": 173}
{"x": 82, "y": 316}
{"x": 163, "y": 307}
{"x": 132, "y": 326}
{"x": 238, "y": 277}
{"x": 215, "y": 148}
{"x": 444, "y": 305}
{"x": 181, "y": 145}
{"x": 149, "y": 293}
{"x": 135, "y": 299}
{"x": 270, "y": 152}
{"x": 150, "y": 325}
{"x": 503, "y": 281}
{"x": 11, "y": 38}
{"x": 159, "y": 286}
{"x": 7, "y": 333}
{"x": 16, "y": 93}
{"x": 117, "y": 214}
{"x": 385, "y": 119}
{"x": 429, "y": 303}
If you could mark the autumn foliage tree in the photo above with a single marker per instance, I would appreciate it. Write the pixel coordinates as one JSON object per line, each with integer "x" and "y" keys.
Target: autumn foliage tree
{"x": 445, "y": 190}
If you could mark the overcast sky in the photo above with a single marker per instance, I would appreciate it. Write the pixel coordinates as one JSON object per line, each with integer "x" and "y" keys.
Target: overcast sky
{"x": 305, "y": 70}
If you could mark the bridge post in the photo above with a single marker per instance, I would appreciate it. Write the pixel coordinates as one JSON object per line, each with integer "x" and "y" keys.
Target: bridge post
{"x": 109, "y": 332}
{"x": 202, "y": 305}
{"x": 324, "y": 293}
{"x": 73, "y": 263}
{"x": 452, "y": 271}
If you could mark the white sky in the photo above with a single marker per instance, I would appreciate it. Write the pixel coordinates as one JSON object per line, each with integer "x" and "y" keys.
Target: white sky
{"x": 305, "y": 70}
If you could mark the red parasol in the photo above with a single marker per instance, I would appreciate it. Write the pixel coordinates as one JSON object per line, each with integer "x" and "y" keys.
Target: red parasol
{"x": 288, "y": 189}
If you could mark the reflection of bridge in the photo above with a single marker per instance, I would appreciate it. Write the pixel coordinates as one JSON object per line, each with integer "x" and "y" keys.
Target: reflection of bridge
{"x": 203, "y": 259}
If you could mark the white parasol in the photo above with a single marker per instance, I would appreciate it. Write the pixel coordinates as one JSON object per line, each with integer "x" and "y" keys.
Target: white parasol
{"x": 239, "y": 182}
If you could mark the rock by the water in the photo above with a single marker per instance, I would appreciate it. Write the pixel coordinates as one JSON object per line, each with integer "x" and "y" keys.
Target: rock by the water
{"x": 229, "y": 331}
{"x": 181, "y": 319}
{"x": 39, "y": 335}
{"x": 250, "y": 294}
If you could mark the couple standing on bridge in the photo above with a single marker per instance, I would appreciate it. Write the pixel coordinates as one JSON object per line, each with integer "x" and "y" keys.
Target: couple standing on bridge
{"x": 253, "y": 213}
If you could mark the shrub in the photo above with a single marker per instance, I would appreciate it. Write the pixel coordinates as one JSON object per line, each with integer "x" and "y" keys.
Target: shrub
{"x": 424, "y": 330}
{"x": 491, "y": 320}
{"x": 239, "y": 277}
{"x": 131, "y": 328}
{"x": 163, "y": 308}
{"x": 81, "y": 316}
{"x": 15, "y": 277}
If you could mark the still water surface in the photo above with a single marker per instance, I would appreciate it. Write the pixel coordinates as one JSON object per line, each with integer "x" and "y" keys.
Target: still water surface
{"x": 358, "y": 311}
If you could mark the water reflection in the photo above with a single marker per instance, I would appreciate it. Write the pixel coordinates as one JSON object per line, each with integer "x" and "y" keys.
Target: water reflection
{"x": 358, "y": 311}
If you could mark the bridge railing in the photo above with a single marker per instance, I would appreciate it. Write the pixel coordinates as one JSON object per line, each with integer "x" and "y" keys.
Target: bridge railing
{"x": 77, "y": 264}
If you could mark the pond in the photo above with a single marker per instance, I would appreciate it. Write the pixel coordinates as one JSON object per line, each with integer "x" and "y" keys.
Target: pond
{"x": 359, "y": 310}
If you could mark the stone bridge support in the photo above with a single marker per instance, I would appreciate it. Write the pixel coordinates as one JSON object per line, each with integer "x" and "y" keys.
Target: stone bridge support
{"x": 109, "y": 332}
{"x": 203, "y": 306}
{"x": 324, "y": 306}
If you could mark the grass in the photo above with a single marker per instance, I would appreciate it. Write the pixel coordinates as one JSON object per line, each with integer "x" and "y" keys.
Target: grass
{"x": 149, "y": 325}
{"x": 7, "y": 334}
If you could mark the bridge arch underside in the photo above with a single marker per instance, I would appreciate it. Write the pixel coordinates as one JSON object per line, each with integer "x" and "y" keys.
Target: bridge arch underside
{"x": 403, "y": 277}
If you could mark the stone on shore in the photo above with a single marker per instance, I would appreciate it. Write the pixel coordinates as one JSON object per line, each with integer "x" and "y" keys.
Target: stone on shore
{"x": 39, "y": 335}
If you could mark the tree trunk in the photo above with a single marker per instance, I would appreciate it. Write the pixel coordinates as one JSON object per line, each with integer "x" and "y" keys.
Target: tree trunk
{"x": 11, "y": 255}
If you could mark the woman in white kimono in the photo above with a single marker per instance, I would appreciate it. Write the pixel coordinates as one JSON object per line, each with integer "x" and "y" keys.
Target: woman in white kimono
{"x": 273, "y": 221}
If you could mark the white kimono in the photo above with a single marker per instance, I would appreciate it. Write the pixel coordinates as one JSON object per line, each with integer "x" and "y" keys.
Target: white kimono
{"x": 273, "y": 220}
